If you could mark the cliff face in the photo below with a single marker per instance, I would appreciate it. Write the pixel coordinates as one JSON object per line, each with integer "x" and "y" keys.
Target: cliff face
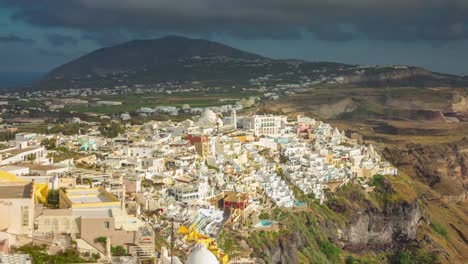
{"x": 403, "y": 76}
{"x": 444, "y": 167}
{"x": 371, "y": 228}
{"x": 387, "y": 218}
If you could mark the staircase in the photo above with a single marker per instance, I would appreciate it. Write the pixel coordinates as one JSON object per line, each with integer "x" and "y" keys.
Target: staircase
{"x": 144, "y": 251}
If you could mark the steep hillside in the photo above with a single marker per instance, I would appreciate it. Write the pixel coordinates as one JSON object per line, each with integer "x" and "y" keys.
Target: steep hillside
{"x": 395, "y": 220}
{"x": 444, "y": 167}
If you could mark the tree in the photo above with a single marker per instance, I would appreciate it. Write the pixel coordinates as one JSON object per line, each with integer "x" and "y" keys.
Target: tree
{"x": 31, "y": 157}
{"x": 111, "y": 130}
{"x": 53, "y": 199}
{"x": 88, "y": 181}
{"x": 49, "y": 143}
{"x": 118, "y": 251}
{"x": 7, "y": 135}
{"x": 350, "y": 260}
{"x": 101, "y": 239}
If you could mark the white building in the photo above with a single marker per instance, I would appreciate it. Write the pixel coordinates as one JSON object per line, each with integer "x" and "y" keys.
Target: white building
{"x": 264, "y": 124}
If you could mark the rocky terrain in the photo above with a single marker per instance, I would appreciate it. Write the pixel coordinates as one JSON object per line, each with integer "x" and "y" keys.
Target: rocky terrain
{"x": 423, "y": 131}
{"x": 396, "y": 217}
{"x": 444, "y": 167}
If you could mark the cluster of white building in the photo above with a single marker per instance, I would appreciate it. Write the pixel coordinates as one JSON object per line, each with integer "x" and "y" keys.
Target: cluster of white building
{"x": 191, "y": 172}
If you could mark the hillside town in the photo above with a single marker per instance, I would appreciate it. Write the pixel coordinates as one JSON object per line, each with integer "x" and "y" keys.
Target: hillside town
{"x": 164, "y": 191}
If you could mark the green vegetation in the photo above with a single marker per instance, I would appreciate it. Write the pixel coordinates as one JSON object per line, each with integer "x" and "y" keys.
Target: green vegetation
{"x": 118, "y": 251}
{"x": 302, "y": 229}
{"x": 6, "y": 136}
{"x": 133, "y": 102}
{"x": 33, "y": 128}
{"x": 101, "y": 239}
{"x": 377, "y": 180}
{"x": 391, "y": 189}
{"x": 31, "y": 157}
{"x": 49, "y": 143}
{"x": 69, "y": 129}
{"x": 63, "y": 153}
{"x": 330, "y": 250}
{"x": 403, "y": 258}
{"x": 53, "y": 199}
{"x": 415, "y": 257}
{"x": 350, "y": 260}
{"x": 111, "y": 129}
{"x": 439, "y": 229}
{"x": 40, "y": 256}
{"x": 228, "y": 243}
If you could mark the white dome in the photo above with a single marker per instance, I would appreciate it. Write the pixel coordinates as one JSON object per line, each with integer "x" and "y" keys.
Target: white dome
{"x": 208, "y": 118}
{"x": 209, "y": 115}
{"x": 201, "y": 255}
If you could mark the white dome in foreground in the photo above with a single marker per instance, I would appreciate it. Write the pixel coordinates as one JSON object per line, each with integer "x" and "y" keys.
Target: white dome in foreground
{"x": 201, "y": 255}
{"x": 208, "y": 118}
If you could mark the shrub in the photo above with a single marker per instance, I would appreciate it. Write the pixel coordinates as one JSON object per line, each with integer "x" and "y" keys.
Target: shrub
{"x": 377, "y": 180}
{"x": 118, "y": 251}
{"x": 264, "y": 215}
{"x": 349, "y": 260}
{"x": 329, "y": 249}
{"x": 49, "y": 143}
{"x": 101, "y": 239}
{"x": 39, "y": 255}
{"x": 403, "y": 258}
{"x": 96, "y": 256}
{"x": 439, "y": 229}
{"x": 53, "y": 199}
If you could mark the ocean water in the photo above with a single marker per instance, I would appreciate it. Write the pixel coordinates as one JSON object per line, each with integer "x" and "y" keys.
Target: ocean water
{"x": 12, "y": 80}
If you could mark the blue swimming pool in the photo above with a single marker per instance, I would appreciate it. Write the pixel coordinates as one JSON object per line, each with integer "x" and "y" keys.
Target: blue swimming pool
{"x": 265, "y": 223}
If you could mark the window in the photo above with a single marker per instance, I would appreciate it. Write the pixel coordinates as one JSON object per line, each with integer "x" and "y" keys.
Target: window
{"x": 55, "y": 224}
{"x": 25, "y": 215}
{"x": 106, "y": 225}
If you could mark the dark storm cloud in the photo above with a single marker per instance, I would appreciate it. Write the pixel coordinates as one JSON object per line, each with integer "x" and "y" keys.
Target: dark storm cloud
{"x": 49, "y": 53}
{"x": 331, "y": 20}
{"x": 15, "y": 39}
{"x": 110, "y": 37}
{"x": 61, "y": 40}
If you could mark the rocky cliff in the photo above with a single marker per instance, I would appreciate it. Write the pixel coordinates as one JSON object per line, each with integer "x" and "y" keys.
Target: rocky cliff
{"x": 353, "y": 221}
{"x": 371, "y": 228}
{"x": 444, "y": 167}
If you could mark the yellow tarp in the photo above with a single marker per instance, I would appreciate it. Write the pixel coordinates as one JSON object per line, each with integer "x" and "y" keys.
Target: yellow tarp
{"x": 40, "y": 189}
{"x": 8, "y": 177}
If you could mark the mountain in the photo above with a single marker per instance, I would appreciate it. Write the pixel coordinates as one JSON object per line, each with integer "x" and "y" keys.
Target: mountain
{"x": 180, "y": 59}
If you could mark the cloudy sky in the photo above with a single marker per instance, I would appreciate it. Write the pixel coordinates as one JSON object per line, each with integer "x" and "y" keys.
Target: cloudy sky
{"x": 37, "y": 35}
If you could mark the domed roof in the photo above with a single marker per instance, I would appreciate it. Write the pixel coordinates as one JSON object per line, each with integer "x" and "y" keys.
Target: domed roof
{"x": 209, "y": 114}
{"x": 201, "y": 255}
{"x": 208, "y": 118}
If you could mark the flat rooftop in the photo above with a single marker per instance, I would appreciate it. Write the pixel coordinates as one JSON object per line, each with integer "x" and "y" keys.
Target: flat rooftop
{"x": 15, "y": 190}
{"x": 93, "y": 213}
{"x": 89, "y": 197}
{"x": 41, "y": 167}
{"x": 84, "y": 196}
{"x": 19, "y": 151}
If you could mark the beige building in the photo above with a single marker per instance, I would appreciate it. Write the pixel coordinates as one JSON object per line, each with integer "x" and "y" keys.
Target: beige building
{"x": 16, "y": 212}
{"x": 90, "y": 213}
{"x": 56, "y": 221}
